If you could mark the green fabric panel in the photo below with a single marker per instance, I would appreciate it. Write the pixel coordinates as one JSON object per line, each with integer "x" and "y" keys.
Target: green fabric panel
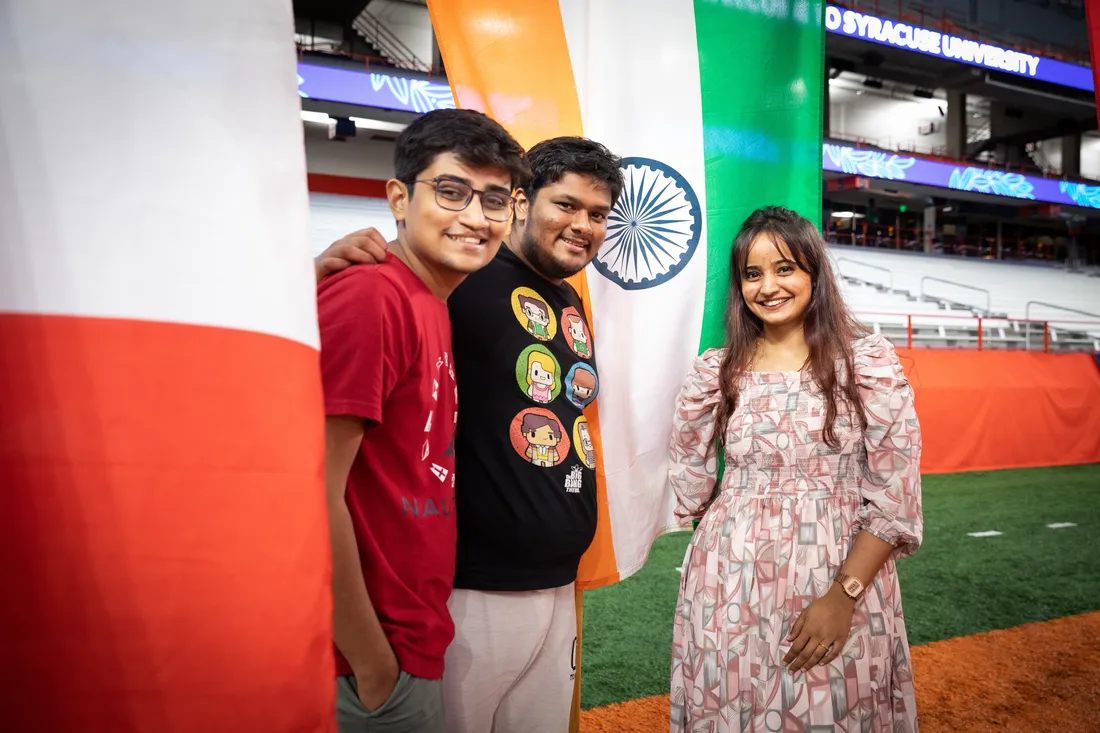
{"x": 761, "y": 70}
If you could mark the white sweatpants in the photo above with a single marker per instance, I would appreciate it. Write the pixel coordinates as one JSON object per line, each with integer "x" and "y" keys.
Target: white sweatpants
{"x": 511, "y": 666}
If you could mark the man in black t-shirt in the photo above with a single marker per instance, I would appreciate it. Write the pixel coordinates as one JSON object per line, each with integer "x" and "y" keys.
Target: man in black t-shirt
{"x": 525, "y": 366}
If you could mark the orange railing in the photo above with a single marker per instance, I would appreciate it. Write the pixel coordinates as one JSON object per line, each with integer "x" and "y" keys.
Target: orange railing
{"x": 1048, "y": 330}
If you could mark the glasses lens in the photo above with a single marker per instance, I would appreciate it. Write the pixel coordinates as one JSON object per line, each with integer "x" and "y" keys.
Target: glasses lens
{"x": 496, "y": 206}
{"x": 453, "y": 195}
{"x": 456, "y": 196}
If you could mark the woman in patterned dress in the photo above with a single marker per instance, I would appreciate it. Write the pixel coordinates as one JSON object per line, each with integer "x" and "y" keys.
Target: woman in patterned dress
{"x": 821, "y": 486}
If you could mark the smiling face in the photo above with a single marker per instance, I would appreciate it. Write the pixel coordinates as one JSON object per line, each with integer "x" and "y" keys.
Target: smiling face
{"x": 565, "y": 225}
{"x": 539, "y": 374}
{"x": 449, "y": 242}
{"x": 774, "y": 287}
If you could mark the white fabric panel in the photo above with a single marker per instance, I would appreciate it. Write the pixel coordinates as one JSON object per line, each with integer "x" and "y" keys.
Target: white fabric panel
{"x": 151, "y": 164}
{"x": 332, "y": 216}
{"x": 621, "y": 51}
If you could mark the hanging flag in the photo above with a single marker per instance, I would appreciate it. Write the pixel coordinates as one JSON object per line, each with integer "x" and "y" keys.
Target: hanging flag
{"x": 715, "y": 108}
{"x": 1092, "y": 15}
{"x": 164, "y": 538}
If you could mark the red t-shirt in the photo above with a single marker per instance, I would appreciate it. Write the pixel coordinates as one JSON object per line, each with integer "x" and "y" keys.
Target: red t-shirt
{"x": 386, "y": 357}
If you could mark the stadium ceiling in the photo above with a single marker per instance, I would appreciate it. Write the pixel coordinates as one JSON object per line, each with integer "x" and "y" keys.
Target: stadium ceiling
{"x": 332, "y": 11}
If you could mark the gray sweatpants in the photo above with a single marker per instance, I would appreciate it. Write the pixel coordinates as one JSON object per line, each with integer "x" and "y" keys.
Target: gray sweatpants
{"x": 415, "y": 706}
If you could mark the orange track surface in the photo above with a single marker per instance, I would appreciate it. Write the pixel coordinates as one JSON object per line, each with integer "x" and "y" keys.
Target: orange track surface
{"x": 1030, "y": 679}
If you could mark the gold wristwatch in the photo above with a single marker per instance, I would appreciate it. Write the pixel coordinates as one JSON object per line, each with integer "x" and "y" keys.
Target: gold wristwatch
{"x": 852, "y": 587}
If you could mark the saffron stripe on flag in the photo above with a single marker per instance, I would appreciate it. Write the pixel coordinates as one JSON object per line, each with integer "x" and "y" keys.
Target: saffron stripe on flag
{"x": 165, "y": 526}
{"x": 508, "y": 59}
{"x": 534, "y": 96}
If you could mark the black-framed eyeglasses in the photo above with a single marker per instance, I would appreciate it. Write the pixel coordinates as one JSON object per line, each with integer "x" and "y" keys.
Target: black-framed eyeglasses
{"x": 455, "y": 195}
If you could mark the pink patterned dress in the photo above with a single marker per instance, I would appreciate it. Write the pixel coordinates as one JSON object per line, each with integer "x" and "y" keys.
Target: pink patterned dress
{"x": 774, "y": 539}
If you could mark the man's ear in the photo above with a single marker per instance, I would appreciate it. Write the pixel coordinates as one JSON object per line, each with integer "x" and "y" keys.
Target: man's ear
{"x": 397, "y": 193}
{"x": 521, "y": 206}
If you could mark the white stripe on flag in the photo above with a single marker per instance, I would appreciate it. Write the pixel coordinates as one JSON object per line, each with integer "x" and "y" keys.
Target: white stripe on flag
{"x": 637, "y": 73}
{"x": 140, "y": 208}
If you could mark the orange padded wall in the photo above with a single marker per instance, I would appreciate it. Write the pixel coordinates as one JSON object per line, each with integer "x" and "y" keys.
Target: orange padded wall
{"x": 984, "y": 410}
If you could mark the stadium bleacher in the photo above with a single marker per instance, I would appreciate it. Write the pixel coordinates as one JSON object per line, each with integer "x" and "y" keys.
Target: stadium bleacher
{"x": 945, "y": 297}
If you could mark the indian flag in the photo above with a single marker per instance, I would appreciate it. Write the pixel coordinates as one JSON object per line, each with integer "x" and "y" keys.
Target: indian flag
{"x": 715, "y": 107}
{"x": 164, "y": 535}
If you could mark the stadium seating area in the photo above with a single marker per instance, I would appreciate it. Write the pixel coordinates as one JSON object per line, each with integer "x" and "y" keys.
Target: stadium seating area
{"x": 947, "y": 295}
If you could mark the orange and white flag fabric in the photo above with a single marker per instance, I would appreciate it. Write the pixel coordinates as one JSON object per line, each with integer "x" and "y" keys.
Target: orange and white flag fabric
{"x": 164, "y": 539}
{"x": 715, "y": 108}
{"x": 542, "y": 69}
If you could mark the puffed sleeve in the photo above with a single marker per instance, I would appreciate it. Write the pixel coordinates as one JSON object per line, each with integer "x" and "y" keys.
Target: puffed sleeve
{"x": 693, "y": 463}
{"x": 891, "y": 479}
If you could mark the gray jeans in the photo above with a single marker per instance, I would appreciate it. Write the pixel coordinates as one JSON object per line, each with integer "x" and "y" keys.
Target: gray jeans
{"x": 414, "y": 706}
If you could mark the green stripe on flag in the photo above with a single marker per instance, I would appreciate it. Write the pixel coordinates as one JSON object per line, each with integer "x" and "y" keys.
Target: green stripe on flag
{"x": 761, "y": 72}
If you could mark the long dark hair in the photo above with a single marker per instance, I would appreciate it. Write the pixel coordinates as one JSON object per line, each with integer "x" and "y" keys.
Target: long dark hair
{"x": 828, "y": 325}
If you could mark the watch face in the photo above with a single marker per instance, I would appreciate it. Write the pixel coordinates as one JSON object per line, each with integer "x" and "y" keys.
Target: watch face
{"x": 852, "y": 586}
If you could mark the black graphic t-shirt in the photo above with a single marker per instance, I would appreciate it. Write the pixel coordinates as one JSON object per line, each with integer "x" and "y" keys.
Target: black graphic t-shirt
{"x": 526, "y": 482}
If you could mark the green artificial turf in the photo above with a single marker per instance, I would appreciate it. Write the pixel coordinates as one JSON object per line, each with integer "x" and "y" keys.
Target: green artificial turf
{"x": 956, "y": 585}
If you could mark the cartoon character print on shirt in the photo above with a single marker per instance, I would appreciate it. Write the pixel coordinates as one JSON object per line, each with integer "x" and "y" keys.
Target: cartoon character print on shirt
{"x": 539, "y": 437}
{"x": 534, "y": 314}
{"x": 576, "y": 333}
{"x": 581, "y": 385}
{"x": 538, "y": 374}
{"x": 582, "y": 440}
{"x": 444, "y": 379}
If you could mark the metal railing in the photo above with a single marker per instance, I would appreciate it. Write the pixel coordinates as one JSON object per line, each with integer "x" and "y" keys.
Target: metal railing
{"x": 988, "y": 297}
{"x": 1046, "y": 330}
{"x": 981, "y": 324}
{"x": 392, "y": 47}
{"x": 369, "y": 61}
{"x": 887, "y": 270}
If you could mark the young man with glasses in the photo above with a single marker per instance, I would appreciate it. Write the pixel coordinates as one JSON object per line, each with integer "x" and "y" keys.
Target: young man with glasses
{"x": 523, "y": 522}
{"x": 390, "y": 404}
